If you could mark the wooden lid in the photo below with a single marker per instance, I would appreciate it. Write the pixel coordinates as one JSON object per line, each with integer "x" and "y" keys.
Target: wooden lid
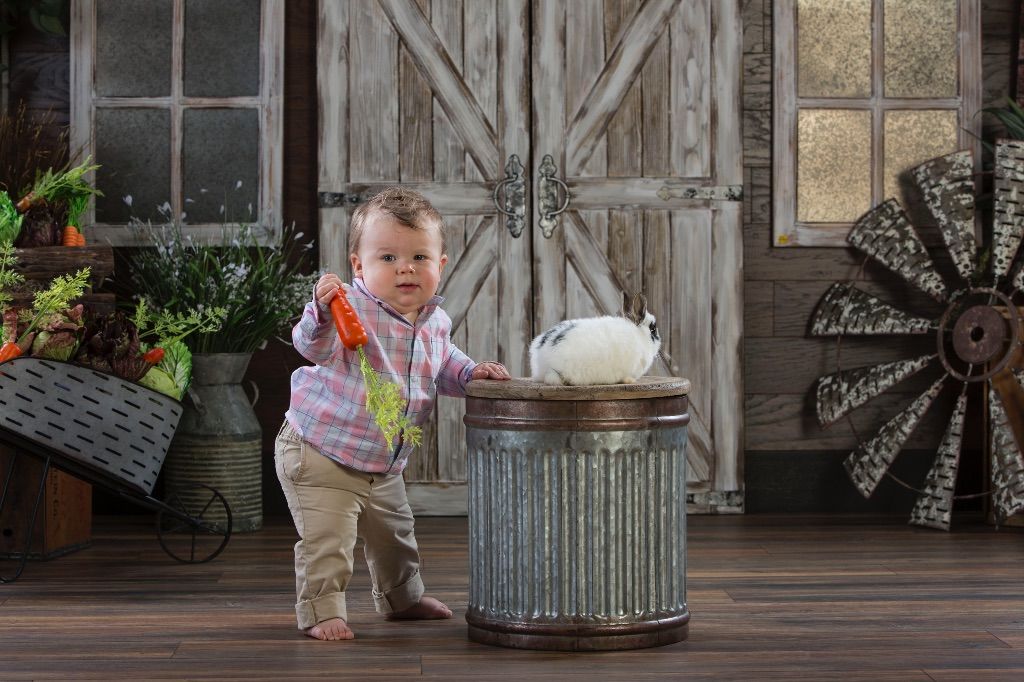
{"x": 528, "y": 389}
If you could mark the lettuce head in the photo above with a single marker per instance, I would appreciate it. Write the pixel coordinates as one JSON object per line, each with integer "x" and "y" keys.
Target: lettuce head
{"x": 173, "y": 374}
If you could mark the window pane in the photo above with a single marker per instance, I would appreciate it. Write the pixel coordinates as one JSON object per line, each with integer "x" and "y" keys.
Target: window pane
{"x": 133, "y": 148}
{"x": 920, "y": 48}
{"x": 913, "y": 137}
{"x": 833, "y": 165}
{"x": 133, "y": 48}
{"x": 221, "y": 150}
{"x": 834, "y": 48}
{"x": 222, "y": 48}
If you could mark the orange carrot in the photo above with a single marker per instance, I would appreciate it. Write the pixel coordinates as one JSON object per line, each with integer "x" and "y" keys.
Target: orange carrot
{"x": 9, "y": 351}
{"x": 70, "y": 236}
{"x": 27, "y": 202}
{"x": 350, "y": 329}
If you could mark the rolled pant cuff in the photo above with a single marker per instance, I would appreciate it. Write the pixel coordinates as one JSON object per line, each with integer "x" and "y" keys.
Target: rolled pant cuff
{"x": 401, "y": 597}
{"x": 313, "y": 611}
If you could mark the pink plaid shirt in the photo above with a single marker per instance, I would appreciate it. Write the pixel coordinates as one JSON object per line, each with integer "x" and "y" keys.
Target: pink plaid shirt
{"x": 328, "y": 400}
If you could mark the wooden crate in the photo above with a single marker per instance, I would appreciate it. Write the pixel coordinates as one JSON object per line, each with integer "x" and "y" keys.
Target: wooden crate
{"x": 42, "y": 264}
{"x": 64, "y": 521}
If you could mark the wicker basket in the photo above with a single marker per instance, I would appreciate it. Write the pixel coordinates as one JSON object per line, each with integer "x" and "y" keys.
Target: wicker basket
{"x": 116, "y": 429}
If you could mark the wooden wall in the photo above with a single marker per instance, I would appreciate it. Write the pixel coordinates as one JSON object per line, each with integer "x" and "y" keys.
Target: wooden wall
{"x": 791, "y": 463}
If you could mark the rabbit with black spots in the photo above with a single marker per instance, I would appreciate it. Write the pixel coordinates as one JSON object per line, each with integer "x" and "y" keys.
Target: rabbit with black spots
{"x": 597, "y": 350}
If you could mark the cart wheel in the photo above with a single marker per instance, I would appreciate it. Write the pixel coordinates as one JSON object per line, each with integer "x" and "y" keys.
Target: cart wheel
{"x": 194, "y": 524}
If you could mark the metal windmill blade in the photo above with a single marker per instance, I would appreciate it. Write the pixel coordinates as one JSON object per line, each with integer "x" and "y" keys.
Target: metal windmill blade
{"x": 1007, "y": 464}
{"x": 1008, "y": 215}
{"x": 934, "y": 505}
{"x": 947, "y": 184}
{"x": 845, "y": 309}
{"x": 885, "y": 234}
{"x": 842, "y": 392}
{"x": 871, "y": 460}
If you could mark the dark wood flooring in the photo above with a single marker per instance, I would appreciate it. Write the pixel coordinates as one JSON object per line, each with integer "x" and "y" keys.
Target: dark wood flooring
{"x": 812, "y": 598}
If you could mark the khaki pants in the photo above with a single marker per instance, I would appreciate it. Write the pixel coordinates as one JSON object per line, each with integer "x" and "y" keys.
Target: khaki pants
{"x": 332, "y": 505}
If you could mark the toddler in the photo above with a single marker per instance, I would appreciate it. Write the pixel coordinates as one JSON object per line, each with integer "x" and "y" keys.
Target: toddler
{"x": 341, "y": 478}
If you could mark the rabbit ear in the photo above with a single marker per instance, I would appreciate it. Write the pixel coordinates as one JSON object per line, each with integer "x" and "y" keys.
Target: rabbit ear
{"x": 627, "y": 308}
{"x": 639, "y": 307}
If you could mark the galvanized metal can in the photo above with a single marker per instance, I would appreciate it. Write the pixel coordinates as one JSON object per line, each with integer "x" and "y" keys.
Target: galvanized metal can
{"x": 577, "y": 514}
{"x": 218, "y": 444}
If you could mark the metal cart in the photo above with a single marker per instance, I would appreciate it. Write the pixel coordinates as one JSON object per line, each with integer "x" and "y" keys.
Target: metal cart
{"x": 109, "y": 432}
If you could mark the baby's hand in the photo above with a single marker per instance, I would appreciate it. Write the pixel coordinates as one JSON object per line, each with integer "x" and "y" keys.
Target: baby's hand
{"x": 327, "y": 287}
{"x": 491, "y": 370}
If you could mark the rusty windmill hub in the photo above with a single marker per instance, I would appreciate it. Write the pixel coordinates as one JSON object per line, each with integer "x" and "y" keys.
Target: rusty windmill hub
{"x": 980, "y": 334}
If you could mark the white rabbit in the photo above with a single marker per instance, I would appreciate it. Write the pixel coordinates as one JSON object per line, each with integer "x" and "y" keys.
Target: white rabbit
{"x": 597, "y": 350}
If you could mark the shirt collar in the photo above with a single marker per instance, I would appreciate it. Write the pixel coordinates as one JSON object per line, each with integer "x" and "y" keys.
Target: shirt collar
{"x": 428, "y": 308}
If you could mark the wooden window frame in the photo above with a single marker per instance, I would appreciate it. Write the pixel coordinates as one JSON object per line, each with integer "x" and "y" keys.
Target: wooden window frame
{"x": 269, "y": 103}
{"x": 786, "y": 230}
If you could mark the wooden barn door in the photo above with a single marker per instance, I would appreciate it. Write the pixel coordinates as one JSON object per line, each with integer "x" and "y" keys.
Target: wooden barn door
{"x": 637, "y": 104}
{"x": 433, "y": 94}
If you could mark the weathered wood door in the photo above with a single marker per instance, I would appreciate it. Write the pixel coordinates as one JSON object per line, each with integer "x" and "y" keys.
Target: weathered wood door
{"x": 636, "y": 103}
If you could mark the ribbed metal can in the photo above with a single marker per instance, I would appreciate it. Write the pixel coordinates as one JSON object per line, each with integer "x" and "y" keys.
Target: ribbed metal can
{"x": 218, "y": 443}
{"x": 577, "y": 514}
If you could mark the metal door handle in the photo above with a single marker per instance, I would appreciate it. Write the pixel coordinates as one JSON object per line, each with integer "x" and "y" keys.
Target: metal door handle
{"x": 547, "y": 188}
{"x": 514, "y": 204}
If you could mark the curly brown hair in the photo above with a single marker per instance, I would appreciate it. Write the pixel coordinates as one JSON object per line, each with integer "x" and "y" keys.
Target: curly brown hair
{"x": 407, "y": 206}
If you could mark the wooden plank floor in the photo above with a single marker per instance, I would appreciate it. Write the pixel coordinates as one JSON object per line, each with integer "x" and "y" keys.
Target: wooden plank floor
{"x": 771, "y": 598}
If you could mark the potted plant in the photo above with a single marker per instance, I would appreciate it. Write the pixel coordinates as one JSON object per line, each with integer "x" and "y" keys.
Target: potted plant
{"x": 261, "y": 291}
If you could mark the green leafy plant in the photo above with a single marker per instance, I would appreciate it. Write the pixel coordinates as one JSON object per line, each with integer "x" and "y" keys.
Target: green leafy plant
{"x": 384, "y": 403}
{"x": 166, "y": 327}
{"x": 48, "y": 302}
{"x": 10, "y": 278}
{"x": 260, "y": 287}
{"x": 64, "y": 185}
{"x": 1011, "y": 116}
{"x": 10, "y": 219}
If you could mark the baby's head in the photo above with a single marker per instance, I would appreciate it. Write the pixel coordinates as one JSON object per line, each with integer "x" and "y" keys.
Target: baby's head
{"x": 397, "y": 248}
{"x": 408, "y": 207}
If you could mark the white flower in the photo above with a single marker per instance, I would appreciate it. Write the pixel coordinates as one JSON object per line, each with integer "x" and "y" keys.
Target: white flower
{"x": 238, "y": 185}
{"x": 127, "y": 199}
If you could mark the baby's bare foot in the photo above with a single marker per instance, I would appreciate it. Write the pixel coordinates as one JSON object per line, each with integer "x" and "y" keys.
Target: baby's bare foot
{"x": 334, "y": 628}
{"x": 428, "y": 608}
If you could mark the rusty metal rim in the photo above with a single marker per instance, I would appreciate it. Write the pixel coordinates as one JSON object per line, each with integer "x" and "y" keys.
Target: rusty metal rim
{"x": 579, "y": 643}
{"x": 528, "y": 389}
{"x": 512, "y": 424}
{"x": 578, "y": 629}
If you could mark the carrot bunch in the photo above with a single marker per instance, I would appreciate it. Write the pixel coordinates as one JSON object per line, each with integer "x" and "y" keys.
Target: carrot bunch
{"x": 72, "y": 235}
{"x": 383, "y": 399}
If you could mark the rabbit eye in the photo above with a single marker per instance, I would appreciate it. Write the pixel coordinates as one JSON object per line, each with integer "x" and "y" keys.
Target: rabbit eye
{"x": 654, "y": 331}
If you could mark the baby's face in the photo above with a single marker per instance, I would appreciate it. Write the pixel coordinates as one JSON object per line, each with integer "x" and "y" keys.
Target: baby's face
{"x": 399, "y": 265}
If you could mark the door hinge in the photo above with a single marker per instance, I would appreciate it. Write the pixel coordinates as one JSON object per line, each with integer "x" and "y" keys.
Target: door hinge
{"x": 336, "y": 199}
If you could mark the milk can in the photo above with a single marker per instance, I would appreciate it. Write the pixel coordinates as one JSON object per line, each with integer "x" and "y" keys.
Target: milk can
{"x": 577, "y": 514}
